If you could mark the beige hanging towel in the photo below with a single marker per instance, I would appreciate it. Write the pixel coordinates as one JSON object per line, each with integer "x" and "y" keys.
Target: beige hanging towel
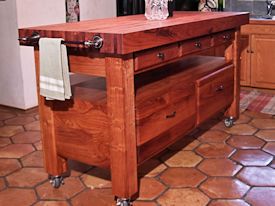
{"x": 54, "y": 69}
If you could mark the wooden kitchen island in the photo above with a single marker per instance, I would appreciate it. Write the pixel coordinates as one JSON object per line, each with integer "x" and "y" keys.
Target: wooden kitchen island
{"x": 150, "y": 84}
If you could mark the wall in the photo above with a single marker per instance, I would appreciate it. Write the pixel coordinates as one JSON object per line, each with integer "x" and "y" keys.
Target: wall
{"x": 94, "y": 9}
{"x": 256, "y": 7}
{"x": 11, "y": 78}
{"x": 17, "y": 69}
{"x": 34, "y": 13}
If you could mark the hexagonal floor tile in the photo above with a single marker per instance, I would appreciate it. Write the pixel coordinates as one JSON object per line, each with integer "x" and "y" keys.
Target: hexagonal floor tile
{"x": 16, "y": 150}
{"x": 241, "y": 129}
{"x": 245, "y": 142}
{"x": 8, "y": 166}
{"x": 219, "y": 167}
{"x": 214, "y": 136}
{"x": 267, "y": 135}
{"x": 38, "y": 145}
{"x": 2, "y": 184}
{"x": 272, "y": 164}
{"x": 186, "y": 143}
{"x": 180, "y": 197}
{"x": 4, "y": 141}
{"x": 97, "y": 178}
{"x": 34, "y": 159}
{"x": 33, "y": 126}
{"x": 143, "y": 203}
{"x": 215, "y": 150}
{"x": 6, "y": 115}
{"x": 23, "y": 197}
{"x": 258, "y": 176}
{"x": 1, "y": 123}
{"x": 261, "y": 196}
{"x": 182, "y": 177}
{"x": 243, "y": 119}
{"x": 263, "y": 123}
{"x": 27, "y": 177}
{"x": 151, "y": 168}
{"x": 181, "y": 159}
{"x": 102, "y": 197}
{"x": 224, "y": 187}
{"x": 71, "y": 187}
{"x": 8, "y": 131}
{"x": 150, "y": 188}
{"x": 26, "y": 137}
{"x": 52, "y": 203}
{"x": 270, "y": 148}
{"x": 228, "y": 203}
{"x": 252, "y": 157}
{"x": 20, "y": 120}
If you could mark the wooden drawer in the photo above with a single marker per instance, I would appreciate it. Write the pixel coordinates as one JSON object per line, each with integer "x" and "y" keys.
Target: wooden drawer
{"x": 223, "y": 37}
{"x": 214, "y": 92}
{"x": 161, "y": 112}
{"x": 156, "y": 56}
{"x": 196, "y": 45}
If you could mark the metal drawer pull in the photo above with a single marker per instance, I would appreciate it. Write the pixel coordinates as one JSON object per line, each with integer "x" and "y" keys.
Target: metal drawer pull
{"x": 226, "y": 37}
{"x": 171, "y": 115}
{"x": 198, "y": 45}
{"x": 161, "y": 55}
{"x": 220, "y": 88}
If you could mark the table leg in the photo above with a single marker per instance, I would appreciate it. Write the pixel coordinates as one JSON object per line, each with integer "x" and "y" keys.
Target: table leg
{"x": 233, "y": 52}
{"x": 54, "y": 164}
{"x": 121, "y": 113}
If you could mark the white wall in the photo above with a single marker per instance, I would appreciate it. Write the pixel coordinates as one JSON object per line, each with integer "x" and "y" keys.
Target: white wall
{"x": 17, "y": 70}
{"x": 34, "y": 13}
{"x": 97, "y": 9}
{"x": 11, "y": 80}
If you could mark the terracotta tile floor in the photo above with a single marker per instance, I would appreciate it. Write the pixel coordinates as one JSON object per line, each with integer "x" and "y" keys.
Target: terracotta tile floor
{"x": 212, "y": 166}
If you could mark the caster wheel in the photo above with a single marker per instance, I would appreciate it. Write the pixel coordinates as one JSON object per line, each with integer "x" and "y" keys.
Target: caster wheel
{"x": 123, "y": 202}
{"x": 228, "y": 122}
{"x": 56, "y": 181}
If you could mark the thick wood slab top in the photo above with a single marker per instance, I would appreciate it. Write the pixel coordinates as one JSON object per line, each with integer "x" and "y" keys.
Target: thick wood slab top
{"x": 123, "y": 35}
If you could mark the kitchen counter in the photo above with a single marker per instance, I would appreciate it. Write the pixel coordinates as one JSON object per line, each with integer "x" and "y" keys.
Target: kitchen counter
{"x": 148, "y": 88}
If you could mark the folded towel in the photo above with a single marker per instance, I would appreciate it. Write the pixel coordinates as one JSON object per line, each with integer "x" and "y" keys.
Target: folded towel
{"x": 54, "y": 69}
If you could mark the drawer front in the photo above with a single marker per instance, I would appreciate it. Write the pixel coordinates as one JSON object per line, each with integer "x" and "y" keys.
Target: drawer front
{"x": 156, "y": 56}
{"x": 158, "y": 114}
{"x": 195, "y": 45}
{"x": 214, "y": 93}
{"x": 223, "y": 37}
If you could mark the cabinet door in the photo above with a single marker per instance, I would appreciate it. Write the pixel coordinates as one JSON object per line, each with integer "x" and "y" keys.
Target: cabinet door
{"x": 245, "y": 60}
{"x": 262, "y": 61}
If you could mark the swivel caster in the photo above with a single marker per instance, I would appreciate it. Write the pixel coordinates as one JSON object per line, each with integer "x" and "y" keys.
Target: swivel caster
{"x": 56, "y": 181}
{"x": 123, "y": 202}
{"x": 228, "y": 122}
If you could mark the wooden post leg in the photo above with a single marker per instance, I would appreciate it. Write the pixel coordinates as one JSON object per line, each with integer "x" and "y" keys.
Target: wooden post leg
{"x": 233, "y": 52}
{"x": 121, "y": 113}
{"x": 54, "y": 164}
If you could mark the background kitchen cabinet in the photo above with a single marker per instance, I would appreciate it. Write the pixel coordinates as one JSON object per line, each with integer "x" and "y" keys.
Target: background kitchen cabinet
{"x": 258, "y": 55}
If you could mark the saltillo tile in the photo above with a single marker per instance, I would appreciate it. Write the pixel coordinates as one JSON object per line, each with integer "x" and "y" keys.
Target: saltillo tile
{"x": 252, "y": 157}
{"x": 245, "y": 142}
{"x": 262, "y": 196}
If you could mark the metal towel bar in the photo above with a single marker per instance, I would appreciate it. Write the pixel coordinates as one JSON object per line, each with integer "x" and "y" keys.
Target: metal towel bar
{"x": 97, "y": 41}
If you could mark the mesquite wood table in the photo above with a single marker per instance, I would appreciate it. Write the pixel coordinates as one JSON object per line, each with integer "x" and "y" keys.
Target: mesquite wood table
{"x": 150, "y": 83}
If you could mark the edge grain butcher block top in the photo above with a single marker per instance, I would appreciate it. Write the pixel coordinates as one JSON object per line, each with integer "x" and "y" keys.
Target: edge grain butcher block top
{"x": 124, "y": 35}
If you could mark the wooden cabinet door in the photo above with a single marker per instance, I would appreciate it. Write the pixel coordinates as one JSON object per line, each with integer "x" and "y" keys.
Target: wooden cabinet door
{"x": 263, "y": 61}
{"x": 245, "y": 60}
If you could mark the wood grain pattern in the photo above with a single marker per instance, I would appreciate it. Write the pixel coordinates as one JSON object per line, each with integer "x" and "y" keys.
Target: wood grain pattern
{"x": 233, "y": 53}
{"x": 54, "y": 164}
{"x": 245, "y": 73}
{"x": 121, "y": 113}
{"x": 81, "y": 124}
{"x": 214, "y": 93}
{"x": 124, "y": 35}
